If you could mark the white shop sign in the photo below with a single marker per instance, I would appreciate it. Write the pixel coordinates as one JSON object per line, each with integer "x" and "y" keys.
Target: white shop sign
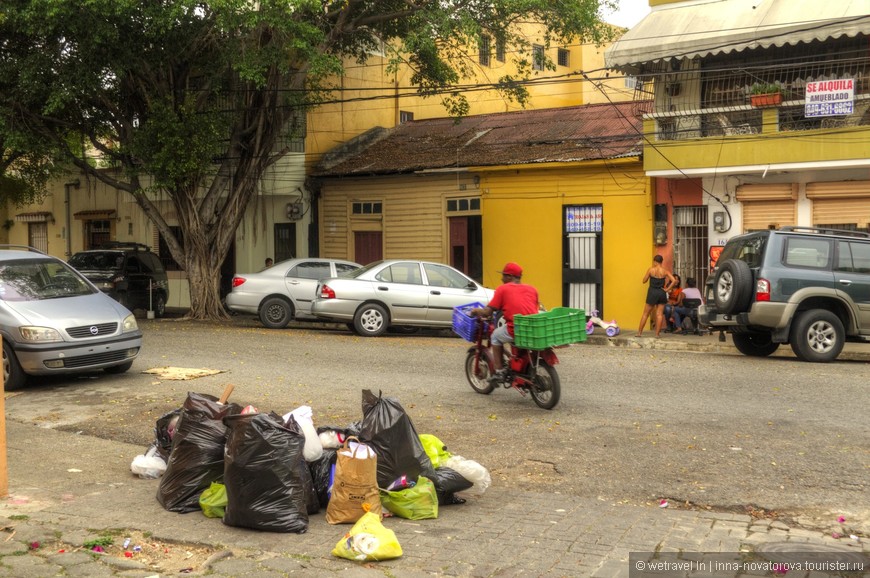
{"x": 830, "y": 97}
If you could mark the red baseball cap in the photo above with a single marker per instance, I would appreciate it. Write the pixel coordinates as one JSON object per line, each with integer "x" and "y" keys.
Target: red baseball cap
{"x": 512, "y": 269}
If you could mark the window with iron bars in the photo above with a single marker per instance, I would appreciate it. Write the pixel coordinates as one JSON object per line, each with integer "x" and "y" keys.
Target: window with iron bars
{"x": 483, "y": 47}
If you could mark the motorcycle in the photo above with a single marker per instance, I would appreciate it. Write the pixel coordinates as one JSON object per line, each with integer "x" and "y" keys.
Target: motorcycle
{"x": 529, "y": 371}
{"x": 611, "y": 329}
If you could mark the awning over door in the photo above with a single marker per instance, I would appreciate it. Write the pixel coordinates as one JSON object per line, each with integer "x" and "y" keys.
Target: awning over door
{"x": 95, "y": 214}
{"x": 690, "y": 29}
{"x": 36, "y": 217}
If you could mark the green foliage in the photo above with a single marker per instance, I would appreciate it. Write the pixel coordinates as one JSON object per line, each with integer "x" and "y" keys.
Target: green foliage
{"x": 199, "y": 95}
{"x": 765, "y": 88}
{"x": 103, "y": 541}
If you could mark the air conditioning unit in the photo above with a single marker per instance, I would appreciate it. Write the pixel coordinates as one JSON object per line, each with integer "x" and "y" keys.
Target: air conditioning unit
{"x": 294, "y": 210}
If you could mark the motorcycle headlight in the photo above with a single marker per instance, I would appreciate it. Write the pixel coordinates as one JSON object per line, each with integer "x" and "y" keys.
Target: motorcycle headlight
{"x": 129, "y": 324}
{"x": 39, "y": 334}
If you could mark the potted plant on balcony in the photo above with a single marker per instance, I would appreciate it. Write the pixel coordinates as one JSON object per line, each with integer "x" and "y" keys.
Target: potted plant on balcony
{"x": 765, "y": 94}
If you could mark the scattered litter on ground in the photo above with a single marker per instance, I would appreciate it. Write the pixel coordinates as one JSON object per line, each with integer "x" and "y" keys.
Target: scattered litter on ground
{"x": 181, "y": 373}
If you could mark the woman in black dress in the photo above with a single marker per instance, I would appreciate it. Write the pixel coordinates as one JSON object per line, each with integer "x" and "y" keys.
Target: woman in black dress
{"x": 660, "y": 282}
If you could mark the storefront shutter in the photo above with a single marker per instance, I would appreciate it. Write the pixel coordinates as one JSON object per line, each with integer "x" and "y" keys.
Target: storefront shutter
{"x": 759, "y": 215}
{"x": 840, "y": 203}
{"x": 768, "y": 206}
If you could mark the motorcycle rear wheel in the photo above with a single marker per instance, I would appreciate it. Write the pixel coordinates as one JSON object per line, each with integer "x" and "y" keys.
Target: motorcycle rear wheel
{"x": 479, "y": 382}
{"x": 546, "y": 388}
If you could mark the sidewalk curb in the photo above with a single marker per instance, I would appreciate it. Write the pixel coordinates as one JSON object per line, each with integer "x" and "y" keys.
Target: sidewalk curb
{"x": 711, "y": 344}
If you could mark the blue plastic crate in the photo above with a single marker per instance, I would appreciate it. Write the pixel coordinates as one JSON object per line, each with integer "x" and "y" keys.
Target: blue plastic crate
{"x": 464, "y": 325}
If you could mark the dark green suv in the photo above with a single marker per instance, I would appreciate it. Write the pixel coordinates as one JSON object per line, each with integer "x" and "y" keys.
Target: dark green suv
{"x": 129, "y": 272}
{"x": 808, "y": 287}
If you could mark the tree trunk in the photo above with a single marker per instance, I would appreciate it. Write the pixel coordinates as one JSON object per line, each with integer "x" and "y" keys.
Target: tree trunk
{"x": 204, "y": 277}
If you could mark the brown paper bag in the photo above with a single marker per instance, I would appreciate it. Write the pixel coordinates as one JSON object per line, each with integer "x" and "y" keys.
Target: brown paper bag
{"x": 355, "y": 486}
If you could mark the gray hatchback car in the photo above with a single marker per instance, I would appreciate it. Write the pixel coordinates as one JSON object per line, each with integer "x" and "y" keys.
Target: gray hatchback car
{"x": 54, "y": 321}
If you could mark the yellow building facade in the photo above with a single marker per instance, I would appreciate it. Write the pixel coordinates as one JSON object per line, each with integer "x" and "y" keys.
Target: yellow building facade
{"x": 441, "y": 191}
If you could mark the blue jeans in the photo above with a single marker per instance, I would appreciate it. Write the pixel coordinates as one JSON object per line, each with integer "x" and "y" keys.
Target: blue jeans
{"x": 679, "y": 313}
{"x": 669, "y": 311}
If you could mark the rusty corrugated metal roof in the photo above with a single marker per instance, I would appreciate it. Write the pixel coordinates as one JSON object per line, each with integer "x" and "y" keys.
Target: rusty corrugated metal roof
{"x": 568, "y": 134}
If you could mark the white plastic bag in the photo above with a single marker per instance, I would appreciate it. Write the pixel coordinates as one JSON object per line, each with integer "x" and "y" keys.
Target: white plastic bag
{"x": 148, "y": 466}
{"x": 471, "y": 471}
{"x": 304, "y": 417}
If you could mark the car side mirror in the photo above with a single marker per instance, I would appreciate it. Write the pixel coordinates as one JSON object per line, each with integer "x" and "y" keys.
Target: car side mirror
{"x": 471, "y": 285}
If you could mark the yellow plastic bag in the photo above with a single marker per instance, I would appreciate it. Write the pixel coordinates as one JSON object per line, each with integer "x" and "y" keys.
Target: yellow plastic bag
{"x": 435, "y": 449}
{"x": 213, "y": 500}
{"x": 368, "y": 541}
{"x": 417, "y": 503}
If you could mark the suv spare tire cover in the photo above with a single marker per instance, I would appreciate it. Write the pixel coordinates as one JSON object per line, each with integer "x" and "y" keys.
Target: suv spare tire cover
{"x": 732, "y": 287}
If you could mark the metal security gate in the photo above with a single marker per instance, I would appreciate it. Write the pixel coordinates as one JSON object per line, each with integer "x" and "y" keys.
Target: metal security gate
{"x": 581, "y": 274}
{"x": 690, "y": 243}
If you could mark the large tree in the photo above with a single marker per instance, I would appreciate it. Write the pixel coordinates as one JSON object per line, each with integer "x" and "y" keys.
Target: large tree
{"x": 191, "y": 100}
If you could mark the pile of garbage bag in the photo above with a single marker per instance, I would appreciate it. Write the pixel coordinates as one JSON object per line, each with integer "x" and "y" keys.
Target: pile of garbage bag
{"x": 270, "y": 472}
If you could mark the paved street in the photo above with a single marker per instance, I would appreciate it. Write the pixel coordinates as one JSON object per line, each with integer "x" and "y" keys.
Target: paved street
{"x": 746, "y": 453}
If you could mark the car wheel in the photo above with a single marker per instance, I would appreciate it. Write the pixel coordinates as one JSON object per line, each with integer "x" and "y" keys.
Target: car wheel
{"x": 371, "y": 320}
{"x": 123, "y": 368}
{"x": 13, "y": 376}
{"x": 276, "y": 313}
{"x": 754, "y": 344}
{"x": 817, "y": 335}
{"x": 160, "y": 306}
{"x": 732, "y": 287}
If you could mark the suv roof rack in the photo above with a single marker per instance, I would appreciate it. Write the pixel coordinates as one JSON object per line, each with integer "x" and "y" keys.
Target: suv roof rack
{"x": 125, "y": 245}
{"x": 824, "y": 231}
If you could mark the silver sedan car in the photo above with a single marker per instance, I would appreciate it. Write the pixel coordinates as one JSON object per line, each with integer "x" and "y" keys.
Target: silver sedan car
{"x": 55, "y": 322}
{"x": 285, "y": 290}
{"x": 397, "y": 293}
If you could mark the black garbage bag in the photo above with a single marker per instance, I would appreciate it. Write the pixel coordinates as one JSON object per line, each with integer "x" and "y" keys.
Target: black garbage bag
{"x": 263, "y": 474}
{"x": 197, "y": 455}
{"x": 389, "y": 430}
{"x": 164, "y": 431}
{"x": 322, "y": 471}
{"x": 447, "y": 482}
{"x": 312, "y": 500}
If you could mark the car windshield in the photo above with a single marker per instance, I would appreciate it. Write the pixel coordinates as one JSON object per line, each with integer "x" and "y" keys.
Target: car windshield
{"x": 37, "y": 279}
{"x": 97, "y": 261}
{"x": 357, "y": 272}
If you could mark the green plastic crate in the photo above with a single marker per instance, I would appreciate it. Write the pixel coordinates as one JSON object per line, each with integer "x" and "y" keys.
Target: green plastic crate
{"x": 559, "y": 326}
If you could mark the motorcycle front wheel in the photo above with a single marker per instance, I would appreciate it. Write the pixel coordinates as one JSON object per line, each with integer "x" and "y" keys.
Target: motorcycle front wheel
{"x": 546, "y": 388}
{"x": 479, "y": 380}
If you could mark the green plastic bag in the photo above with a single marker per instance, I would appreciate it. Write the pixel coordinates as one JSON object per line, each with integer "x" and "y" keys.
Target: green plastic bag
{"x": 213, "y": 500}
{"x": 435, "y": 449}
{"x": 417, "y": 503}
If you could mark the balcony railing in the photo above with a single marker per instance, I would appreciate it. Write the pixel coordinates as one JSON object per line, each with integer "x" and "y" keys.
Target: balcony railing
{"x": 687, "y": 125}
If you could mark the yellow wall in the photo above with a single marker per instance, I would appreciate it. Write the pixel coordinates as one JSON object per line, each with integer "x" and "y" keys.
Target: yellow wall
{"x": 522, "y": 222}
{"x": 766, "y": 148}
{"x": 370, "y": 96}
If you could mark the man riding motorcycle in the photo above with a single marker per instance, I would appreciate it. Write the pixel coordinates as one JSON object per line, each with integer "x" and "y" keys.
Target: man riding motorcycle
{"x": 512, "y": 298}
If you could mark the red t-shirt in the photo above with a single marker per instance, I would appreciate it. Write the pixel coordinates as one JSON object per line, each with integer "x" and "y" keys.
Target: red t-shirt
{"x": 514, "y": 299}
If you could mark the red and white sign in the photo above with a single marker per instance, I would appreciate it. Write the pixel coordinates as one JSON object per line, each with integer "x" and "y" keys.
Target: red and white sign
{"x": 830, "y": 97}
